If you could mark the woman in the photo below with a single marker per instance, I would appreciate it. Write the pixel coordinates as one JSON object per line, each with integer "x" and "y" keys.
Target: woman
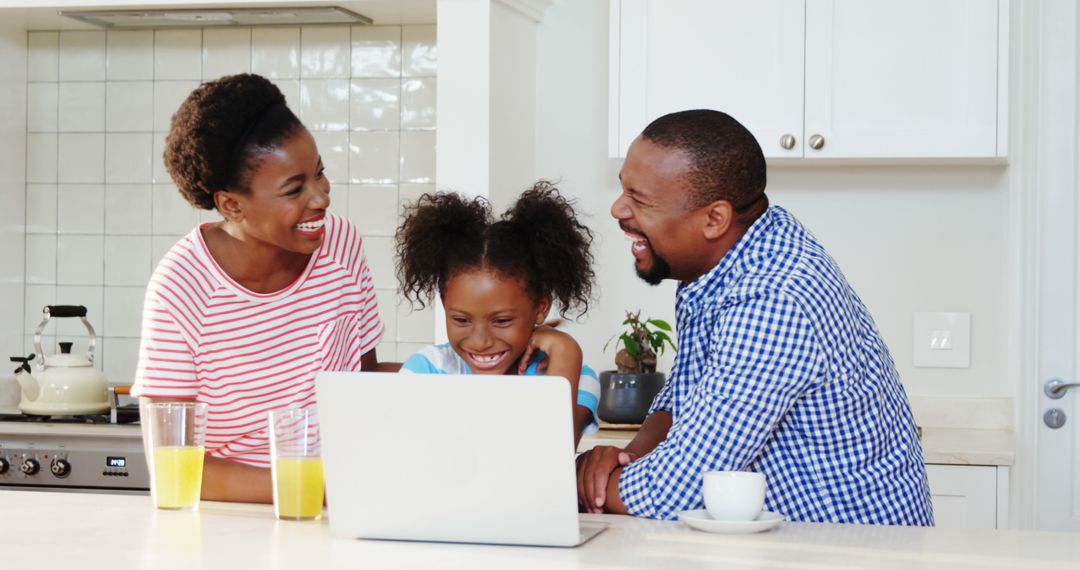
{"x": 242, "y": 313}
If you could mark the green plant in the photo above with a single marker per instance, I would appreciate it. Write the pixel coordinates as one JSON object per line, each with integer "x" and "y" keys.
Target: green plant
{"x": 640, "y": 344}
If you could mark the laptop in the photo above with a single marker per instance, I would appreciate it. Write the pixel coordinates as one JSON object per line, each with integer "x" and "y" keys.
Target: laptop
{"x": 450, "y": 458}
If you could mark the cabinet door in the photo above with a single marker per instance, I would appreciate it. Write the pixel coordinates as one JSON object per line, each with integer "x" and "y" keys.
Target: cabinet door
{"x": 964, "y": 496}
{"x": 743, "y": 58}
{"x": 910, "y": 79}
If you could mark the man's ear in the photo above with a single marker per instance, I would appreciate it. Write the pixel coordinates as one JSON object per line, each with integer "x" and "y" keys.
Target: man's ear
{"x": 228, "y": 205}
{"x": 542, "y": 309}
{"x": 719, "y": 218}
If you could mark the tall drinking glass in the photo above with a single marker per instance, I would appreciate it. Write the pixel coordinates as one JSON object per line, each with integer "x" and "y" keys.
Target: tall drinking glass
{"x": 296, "y": 456}
{"x": 177, "y": 435}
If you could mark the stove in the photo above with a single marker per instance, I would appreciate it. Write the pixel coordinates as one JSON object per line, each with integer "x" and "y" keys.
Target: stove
{"x": 97, "y": 452}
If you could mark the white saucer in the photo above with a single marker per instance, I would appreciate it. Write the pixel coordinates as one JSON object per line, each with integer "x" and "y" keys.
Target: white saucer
{"x": 700, "y": 519}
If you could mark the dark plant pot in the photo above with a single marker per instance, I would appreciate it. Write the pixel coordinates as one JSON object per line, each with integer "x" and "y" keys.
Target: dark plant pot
{"x": 625, "y": 398}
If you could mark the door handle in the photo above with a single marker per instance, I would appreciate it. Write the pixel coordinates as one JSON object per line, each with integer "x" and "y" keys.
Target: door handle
{"x": 1055, "y": 388}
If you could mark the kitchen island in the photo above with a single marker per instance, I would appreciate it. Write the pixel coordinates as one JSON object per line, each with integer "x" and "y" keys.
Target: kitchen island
{"x": 88, "y": 530}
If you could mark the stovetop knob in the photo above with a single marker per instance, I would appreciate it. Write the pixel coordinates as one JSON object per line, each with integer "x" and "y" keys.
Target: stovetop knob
{"x": 30, "y": 466}
{"x": 60, "y": 468}
{"x": 4, "y": 465}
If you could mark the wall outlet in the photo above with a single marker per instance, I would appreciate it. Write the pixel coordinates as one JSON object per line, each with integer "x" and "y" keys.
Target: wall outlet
{"x": 942, "y": 340}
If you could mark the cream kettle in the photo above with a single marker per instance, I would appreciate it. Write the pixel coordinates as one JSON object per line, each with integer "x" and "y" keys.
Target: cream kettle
{"x": 63, "y": 384}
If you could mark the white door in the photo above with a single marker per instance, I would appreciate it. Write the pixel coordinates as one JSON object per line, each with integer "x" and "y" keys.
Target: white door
{"x": 743, "y": 58}
{"x": 1055, "y": 300}
{"x": 909, "y": 79}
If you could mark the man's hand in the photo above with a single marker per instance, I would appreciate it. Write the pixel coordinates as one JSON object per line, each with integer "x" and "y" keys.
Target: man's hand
{"x": 594, "y": 470}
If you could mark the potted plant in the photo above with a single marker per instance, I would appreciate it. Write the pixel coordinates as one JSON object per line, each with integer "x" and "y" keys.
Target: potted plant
{"x": 627, "y": 392}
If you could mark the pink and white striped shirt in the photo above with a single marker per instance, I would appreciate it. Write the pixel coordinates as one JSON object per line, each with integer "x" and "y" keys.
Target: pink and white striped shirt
{"x": 206, "y": 337}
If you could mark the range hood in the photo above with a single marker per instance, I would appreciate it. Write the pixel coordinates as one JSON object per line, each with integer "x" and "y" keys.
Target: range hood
{"x": 208, "y": 17}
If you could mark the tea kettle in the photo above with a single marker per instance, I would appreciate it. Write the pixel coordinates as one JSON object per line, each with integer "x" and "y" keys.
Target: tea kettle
{"x": 63, "y": 384}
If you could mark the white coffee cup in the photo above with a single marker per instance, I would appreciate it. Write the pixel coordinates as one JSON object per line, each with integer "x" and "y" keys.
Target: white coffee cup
{"x": 733, "y": 495}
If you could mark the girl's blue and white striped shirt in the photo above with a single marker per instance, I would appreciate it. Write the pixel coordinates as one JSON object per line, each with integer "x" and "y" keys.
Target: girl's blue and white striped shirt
{"x": 441, "y": 359}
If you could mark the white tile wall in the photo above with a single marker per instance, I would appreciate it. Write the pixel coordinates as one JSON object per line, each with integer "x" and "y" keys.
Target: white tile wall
{"x": 102, "y": 211}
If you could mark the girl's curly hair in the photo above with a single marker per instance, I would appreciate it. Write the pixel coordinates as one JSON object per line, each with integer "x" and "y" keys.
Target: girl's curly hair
{"x": 539, "y": 240}
{"x": 220, "y": 131}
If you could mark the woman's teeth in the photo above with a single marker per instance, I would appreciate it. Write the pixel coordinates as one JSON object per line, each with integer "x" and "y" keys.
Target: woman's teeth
{"x": 310, "y": 226}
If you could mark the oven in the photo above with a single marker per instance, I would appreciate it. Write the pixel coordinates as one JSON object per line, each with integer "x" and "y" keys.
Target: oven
{"x": 100, "y": 453}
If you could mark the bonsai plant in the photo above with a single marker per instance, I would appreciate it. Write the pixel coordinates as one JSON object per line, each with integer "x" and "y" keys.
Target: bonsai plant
{"x": 627, "y": 393}
{"x": 641, "y": 345}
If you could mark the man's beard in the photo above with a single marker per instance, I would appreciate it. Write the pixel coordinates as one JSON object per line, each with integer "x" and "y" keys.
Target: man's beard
{"x": 659, "y": 271}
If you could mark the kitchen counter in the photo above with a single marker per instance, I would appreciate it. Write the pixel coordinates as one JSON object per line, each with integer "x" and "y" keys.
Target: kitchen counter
{"x": 943, "y": 446}
{"x": 86, "y": 530}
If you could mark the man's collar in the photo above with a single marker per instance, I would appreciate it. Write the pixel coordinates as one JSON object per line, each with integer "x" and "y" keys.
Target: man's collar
{"x": 717, "y": 277}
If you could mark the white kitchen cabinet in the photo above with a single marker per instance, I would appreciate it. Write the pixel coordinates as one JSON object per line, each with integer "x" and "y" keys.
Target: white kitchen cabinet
{"x": 919, "y": 79}
{"x": 969, "y": 496}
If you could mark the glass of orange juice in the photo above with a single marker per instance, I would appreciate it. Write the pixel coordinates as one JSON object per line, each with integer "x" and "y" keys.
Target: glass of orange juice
{"x": 177, "y": 434}
{"x": 296, "y": 460}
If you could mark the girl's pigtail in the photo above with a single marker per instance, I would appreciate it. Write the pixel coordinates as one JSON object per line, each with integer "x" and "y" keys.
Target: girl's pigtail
{"x": 439, "y": 231}
{"x": 556, "y": 245}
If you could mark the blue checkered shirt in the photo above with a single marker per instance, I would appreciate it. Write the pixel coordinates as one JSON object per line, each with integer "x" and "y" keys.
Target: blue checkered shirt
{"x": 780, "y": 369}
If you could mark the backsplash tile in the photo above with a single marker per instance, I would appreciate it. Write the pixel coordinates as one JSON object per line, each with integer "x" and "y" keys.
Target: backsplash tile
{"x": 324, "y": 104}
{"x": 42, "y": 102}
{"x": 128, "y": 209}
{"x": 375, "y": 104}
{"x": 418, "y": 103}
{"x": 102, "y": 210}
{"x": 80, "y": 209}
{"x": 129, "y": 55}
{"x": 127, "y": 261}
{"x": 373, "y": 157}
{"x": 41, "y": 259}
{"x": 376, "y": 51}
{"x": 324, "y": 51}
{"x": 80, "y": 260}
{"x": 82, "y": 107}
{"x": 81, "y": 157}
{"x": 419, "y": 57}
{"x": 275, "y": 52}
{"x": 167, "y": 98}
{"x": 41, "y": 157}
{"x": 129, "y": 106}
{"x": 225, "y": 52}
{"x": 43, "y": 56}
{"x": 82, "y": 56}
{"x": 41, "y": 208}
{"x": 177, "y": 54}
{"x": 128, "y": 157}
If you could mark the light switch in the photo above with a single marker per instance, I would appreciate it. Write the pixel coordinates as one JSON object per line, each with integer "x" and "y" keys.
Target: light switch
{"x": 942, "y": 340}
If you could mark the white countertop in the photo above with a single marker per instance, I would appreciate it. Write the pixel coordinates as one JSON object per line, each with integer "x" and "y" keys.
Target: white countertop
{"x": 945, "y": 446}
{"x": 82, "y": 530}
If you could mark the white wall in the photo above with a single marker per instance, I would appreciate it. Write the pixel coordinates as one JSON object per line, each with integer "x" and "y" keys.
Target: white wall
{"x": 909, "y": 238}
{"x": 513, "y": 94}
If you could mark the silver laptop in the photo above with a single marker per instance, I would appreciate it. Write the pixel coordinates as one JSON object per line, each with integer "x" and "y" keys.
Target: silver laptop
{"x": 450, "y": 458}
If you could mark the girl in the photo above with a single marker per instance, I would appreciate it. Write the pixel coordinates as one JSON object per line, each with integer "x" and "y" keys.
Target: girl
{"x": 497, "y": 280}
{"x": 242, "y": 313}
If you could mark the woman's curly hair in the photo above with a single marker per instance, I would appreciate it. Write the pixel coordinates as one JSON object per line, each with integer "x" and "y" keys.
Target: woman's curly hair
{"x": 539, "y": 241}
{"x": 220, "y": 131}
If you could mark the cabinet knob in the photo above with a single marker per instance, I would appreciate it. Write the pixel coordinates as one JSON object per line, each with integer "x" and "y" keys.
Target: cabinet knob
{"x": 816, "y": 142}
{"x": 787, "y": 142}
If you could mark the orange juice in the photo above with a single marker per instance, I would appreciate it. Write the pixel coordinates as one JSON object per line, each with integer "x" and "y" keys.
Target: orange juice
{"x": 177, "y": 476}
{"x": 298, "y": 487}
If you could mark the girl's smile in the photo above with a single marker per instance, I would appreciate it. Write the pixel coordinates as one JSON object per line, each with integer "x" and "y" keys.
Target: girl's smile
{"x": 490, "y": 319}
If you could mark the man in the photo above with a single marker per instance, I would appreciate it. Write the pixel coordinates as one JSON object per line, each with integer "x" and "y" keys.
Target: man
{"x": 779, "y": 369}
